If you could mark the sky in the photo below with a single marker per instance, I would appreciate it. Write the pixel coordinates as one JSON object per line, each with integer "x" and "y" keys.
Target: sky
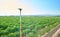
{"x": 30, "y": 7}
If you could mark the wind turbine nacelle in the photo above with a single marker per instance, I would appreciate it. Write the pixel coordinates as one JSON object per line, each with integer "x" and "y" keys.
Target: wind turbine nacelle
{"x": 20, "y": 9}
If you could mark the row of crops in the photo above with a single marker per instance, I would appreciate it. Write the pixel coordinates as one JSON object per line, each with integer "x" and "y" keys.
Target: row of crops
{"x": 33, "y": 26}
{"x": 58, "y": 34}
{"x": 9, "y": 26}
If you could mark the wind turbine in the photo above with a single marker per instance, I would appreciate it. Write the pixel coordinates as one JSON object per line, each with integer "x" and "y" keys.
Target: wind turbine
{"x": 20, "y": 23}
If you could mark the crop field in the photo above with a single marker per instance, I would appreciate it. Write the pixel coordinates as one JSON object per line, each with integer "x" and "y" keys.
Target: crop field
{"x": 32, "y": 26}
{"x": 9, "y": 26}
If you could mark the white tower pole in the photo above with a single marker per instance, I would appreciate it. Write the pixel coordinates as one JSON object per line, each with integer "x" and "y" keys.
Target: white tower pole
{"x": 20, "y": 23}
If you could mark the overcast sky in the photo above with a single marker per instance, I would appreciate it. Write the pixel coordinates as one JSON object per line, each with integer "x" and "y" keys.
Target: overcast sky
{"x": 30, "y": 7}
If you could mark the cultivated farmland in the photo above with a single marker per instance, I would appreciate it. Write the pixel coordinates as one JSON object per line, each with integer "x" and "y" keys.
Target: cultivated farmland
{"x": 32, "y": 26}
{"x": 9, "y": 26}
